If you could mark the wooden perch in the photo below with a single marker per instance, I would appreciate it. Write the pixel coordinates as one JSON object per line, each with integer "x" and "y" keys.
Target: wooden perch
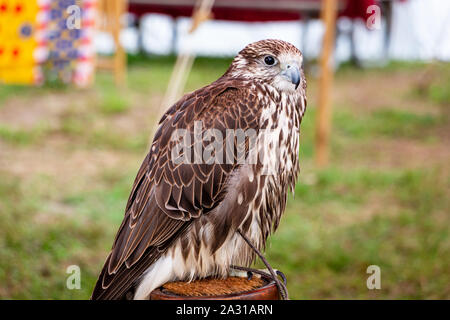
{"x": 231, "y": 288}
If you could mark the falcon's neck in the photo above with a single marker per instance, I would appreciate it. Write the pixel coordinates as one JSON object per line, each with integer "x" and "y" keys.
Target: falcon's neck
{"x": 282, "y": 113}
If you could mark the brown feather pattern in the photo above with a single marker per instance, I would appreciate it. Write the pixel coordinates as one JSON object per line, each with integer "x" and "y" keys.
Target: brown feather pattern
{"x": 169, "y": 203}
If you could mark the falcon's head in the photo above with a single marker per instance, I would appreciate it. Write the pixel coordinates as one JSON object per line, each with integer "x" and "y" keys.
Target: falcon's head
{"x": 276, "y": 62}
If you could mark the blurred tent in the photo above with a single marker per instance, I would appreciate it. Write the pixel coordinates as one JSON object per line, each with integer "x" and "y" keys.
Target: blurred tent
{"x": 266, "y": 11}
{"x": 263, "y": 10}
{"x": 252, "y": 10}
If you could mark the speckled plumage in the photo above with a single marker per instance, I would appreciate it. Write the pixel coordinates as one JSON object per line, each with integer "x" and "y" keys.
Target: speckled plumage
{"x": 181, "y": 219}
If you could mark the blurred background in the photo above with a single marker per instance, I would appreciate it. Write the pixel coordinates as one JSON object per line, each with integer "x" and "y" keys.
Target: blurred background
{"x": 83, "y": 83}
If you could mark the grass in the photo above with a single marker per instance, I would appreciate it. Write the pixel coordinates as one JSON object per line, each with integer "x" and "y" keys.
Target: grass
{"x": 18, "y": 136}
{"x": 113, "y": 103}
{"x": 340, "y": 237}
{"x": 37, "y": 249}
{"x": 385, "y": 122}
{"x": 69, "y": 158}
{"x": 15, "y": 136}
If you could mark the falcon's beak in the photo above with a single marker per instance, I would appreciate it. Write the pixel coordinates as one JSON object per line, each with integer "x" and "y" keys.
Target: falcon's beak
{"x": 292, "y": 72}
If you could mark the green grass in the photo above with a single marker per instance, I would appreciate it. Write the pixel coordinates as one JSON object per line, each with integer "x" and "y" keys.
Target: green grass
{"x": 440, "y": 93}
{"x": 404, "y": 236}
{"x": 434, "y": 85}
{"x": 114, "y": 103}
{"x": 357, "y": 212}
{"x": 16, "y": 136}
{"x": 387, "y": 122}
{"x": 36, "y": 251}
{"x": 23, "y": 136}
{"x": 10, "y": 90}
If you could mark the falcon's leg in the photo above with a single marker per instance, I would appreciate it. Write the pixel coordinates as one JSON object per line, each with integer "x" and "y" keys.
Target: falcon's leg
{"x": 281, "y": 287}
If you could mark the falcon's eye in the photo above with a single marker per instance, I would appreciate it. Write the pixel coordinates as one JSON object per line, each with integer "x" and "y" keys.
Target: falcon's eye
{"x": 269, "y": 60}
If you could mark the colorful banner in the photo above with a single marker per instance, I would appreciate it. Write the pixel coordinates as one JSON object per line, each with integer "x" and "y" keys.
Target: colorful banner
{"x": 47, "y": 40}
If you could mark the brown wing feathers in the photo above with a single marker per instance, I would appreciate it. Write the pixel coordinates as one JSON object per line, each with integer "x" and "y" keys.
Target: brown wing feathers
{"x": 166, "y": 197}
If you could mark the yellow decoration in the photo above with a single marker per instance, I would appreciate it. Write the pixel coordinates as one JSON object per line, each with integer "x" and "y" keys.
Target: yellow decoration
{"x": 18, "y": 22}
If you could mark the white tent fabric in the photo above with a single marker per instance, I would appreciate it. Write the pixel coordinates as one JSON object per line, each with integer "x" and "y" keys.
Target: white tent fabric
{"x": 419, "y": 32}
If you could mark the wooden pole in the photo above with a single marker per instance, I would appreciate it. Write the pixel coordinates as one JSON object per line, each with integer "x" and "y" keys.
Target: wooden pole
{"x": 323, "y": 120}
{"x": 110, "y": 13}
{"x": 119, "y": 57}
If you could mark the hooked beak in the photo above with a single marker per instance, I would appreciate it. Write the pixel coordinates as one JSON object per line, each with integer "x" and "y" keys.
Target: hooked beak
{"x": 292, "y": 73}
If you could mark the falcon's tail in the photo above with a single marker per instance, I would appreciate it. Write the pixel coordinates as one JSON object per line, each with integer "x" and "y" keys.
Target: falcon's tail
{"x": 108, "y": 289}
{"x": 120, "y": 285}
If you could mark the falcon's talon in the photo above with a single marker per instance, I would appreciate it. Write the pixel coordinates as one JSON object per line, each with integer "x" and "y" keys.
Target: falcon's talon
{"x": 281, "y": 274}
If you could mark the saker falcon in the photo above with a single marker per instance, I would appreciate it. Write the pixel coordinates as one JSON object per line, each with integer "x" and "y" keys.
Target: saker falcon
{"x": 182, "y": 217}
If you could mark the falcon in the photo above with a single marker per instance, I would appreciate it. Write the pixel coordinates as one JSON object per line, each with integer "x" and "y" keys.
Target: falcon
{"x": 183, "y": 217}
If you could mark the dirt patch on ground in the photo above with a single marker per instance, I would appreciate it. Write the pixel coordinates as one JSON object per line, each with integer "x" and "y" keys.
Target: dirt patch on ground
{"x": 28, "y": 112}
{"x": 399, "y": 153}
{"x": 143, "y": 114}
{"x": 58, "y": 154}
{"x": 64, "y": 167}
{"x": 372, "y": 92}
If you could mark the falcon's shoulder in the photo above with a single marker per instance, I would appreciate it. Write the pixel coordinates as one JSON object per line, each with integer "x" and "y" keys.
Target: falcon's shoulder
{"x": 188, "y": 186}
